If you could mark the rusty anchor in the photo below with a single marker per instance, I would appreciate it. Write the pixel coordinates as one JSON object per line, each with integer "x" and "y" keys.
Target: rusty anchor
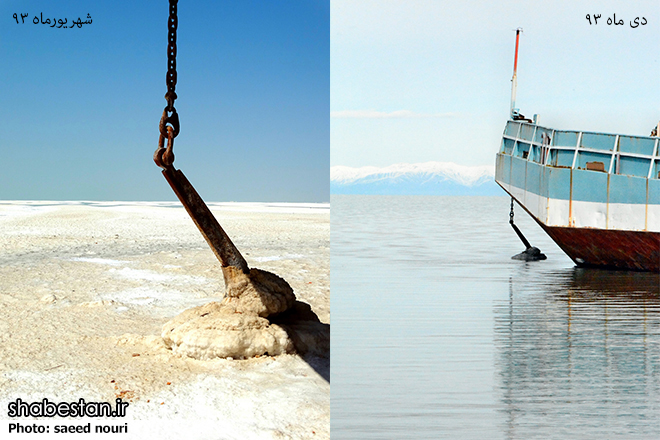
{"x": 169, "y": 127}
{"x": 259, "y": 313}
{"x": 217, "y": 239}
{"x": 247, "y": 289}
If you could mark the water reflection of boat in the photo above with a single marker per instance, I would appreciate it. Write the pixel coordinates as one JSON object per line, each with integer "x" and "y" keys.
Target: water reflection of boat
{"x": 608, "y": 284}
{"x": 580, "y": 354}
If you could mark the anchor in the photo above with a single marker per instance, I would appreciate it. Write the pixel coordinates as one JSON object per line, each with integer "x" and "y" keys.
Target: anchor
{"x": 531, "y": 253}
{"x": 259, "y": 313}
{"x": 169, "y": 128}
{"x": 217, "y": 239}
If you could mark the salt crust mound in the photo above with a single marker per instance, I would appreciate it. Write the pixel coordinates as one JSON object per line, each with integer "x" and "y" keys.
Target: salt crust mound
{"x": 216, "y": 330}
{"x": 236, "y": 327}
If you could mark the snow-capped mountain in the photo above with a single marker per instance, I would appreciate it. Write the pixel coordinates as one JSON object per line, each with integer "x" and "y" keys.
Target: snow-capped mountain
{"x": 429, "y": 178}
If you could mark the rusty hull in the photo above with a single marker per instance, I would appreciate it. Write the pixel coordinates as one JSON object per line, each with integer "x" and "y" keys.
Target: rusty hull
{"x": 632, "y": 250}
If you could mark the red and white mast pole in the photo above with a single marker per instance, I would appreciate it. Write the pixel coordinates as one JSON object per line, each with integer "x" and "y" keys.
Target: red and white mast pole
{"x": 514, "y": 80}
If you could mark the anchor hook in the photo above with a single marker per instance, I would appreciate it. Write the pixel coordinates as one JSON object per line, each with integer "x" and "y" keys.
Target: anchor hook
{"x": 531, "y": 253}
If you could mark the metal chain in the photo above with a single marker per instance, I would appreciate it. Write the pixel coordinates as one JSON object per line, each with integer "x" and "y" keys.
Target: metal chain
{"x": 169, "y": 124}
{"x": 170, "y": 79}
{"x": 511, "y": 213}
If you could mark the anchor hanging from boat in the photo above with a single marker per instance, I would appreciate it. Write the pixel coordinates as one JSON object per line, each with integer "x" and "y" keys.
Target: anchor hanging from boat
{"x": 531, "y": 253}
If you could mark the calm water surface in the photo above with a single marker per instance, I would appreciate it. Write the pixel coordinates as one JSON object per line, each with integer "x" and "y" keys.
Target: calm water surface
{"x": 437, "y": 333}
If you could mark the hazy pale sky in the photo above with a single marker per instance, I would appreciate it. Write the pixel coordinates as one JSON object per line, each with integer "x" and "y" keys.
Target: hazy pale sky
{"x": 430, "y": 80}
{"x": 80, "y": 107}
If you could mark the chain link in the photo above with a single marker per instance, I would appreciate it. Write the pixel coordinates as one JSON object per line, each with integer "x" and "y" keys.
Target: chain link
{"x": 169, "y": 124}
{"x": 511, "y": 213}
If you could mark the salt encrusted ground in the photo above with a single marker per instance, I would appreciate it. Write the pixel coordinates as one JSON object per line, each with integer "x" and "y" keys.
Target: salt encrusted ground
{"x": 85, "y": 288}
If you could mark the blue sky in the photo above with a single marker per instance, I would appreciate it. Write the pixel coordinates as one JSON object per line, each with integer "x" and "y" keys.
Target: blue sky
{"x": 80, "y": 107}
{"x": 424, "y": 80}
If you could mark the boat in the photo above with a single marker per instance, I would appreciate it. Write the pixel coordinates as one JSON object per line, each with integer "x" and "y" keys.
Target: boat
{"x": 597, "y": 195}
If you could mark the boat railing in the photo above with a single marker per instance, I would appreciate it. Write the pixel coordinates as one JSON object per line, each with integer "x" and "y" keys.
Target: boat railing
{"x": 600, "y": 152}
